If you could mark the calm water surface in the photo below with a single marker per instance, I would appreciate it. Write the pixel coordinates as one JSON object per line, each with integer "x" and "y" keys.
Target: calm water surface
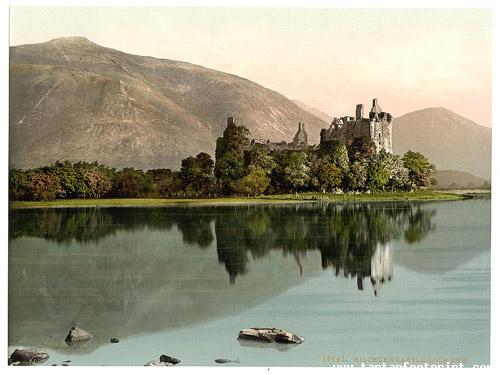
{"x": 388, "y": 282}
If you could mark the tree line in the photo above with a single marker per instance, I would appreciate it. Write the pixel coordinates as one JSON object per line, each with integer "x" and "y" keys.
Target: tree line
{"x": 240, "y": 169}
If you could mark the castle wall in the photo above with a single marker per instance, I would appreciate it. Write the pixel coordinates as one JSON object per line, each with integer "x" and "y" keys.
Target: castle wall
{"x": 377, "y": 127}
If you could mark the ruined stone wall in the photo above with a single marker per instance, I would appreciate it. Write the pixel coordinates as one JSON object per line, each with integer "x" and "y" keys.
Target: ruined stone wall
{"x": 377, "y": 127}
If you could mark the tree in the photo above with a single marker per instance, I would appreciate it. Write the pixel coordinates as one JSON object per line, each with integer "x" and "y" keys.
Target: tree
{"x": 98, "y": 184}
{"x": 71, "y": 178}
{"x": 357, "y": 176}
{"x": 378, "y": 173}
{"x": 170, "y": 185}
{"x": 18, "y": 184}
{"x": 398, "y": 174}
{"x": 196, "y": 174}
{"x": 361, "y": 149}
{"x": 336, "y": 152}
{"x": 42, "y": 186}
{"x": 419, "y": 169}
{"x": 229, "y": 156}
{"x": 259, "y": 156}
{"x": 205, "y": 163}
{"x": 229, "y": 169}
{"x": 128, "y": 183}
{"x": 236, "y": 139}
{"x": 329, "y": 176}
{"x": 254, "y": 183}
{"x": 164, "y": 182}
{"x": 295, "y": 169}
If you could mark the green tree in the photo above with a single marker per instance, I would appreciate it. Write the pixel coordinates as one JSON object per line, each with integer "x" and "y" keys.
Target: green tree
{"x": 259, "y": 156}
{"x": 196, "y": 174}
{"x": 378, "y": 173}
{"x": 357, "y": 176}
{"x": 336, "y": 152}
{"x": 229, "y": 156}
{"x": 164, "y": 182}
{"x": 72, "y": 179}
{"x": 229, "y": 169}
{"x": 170, "y": 185}
{"x": 234, "y": 139}
{"x": 420, "y": 170}
{"x": 18, "y": 184}
{"x": 295, "y": 169}
{"x": 329, "y": 176}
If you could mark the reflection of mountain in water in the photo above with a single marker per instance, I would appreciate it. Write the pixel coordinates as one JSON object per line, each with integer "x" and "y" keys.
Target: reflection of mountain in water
{"x": 124, "y": 271}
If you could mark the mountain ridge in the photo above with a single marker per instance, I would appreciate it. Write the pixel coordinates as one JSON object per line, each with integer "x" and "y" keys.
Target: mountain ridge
{"x": 89, "y": 102}
{"x": 71, "y": 98}
{"x": 449, "y": 140}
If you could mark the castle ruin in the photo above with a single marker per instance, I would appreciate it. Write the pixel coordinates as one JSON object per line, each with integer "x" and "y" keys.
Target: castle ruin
{"x": 377, "y": 127}
{"x": 299, "y": 141}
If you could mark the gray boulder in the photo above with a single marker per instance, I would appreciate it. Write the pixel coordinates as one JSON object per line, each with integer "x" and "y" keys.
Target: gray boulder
{"x": 165, "y": 360}
{"x": 27, "y": 357}
{"x": 272, "y": 335}
{"x": 77, "y": 334}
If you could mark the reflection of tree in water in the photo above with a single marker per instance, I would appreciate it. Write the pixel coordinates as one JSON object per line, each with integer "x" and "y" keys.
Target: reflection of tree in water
{"x": 352, "y": 238}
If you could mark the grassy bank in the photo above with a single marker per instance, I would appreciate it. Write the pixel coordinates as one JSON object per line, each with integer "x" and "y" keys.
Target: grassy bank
{"x": 283, "y": 198}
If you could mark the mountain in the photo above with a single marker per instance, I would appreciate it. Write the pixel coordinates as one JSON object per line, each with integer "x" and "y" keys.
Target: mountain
{"x": 447, "y": 179}
{"x": 447, "y": 139}
{"x": 73, "y": 99}
{"x": 315, "y": 111}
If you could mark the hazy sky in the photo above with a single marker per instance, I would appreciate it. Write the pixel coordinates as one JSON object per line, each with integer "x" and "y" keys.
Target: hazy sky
{"x": 331, "y": 59}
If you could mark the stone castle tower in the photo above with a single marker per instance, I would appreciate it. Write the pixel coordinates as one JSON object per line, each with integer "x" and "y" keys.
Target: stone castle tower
{"x": 377, "y": 127}
{"x": 300, "y": 137}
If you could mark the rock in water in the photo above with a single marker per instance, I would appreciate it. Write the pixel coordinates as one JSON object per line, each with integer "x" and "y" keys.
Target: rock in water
{"x": 77, "y": 334}
{"x": 114, "y": 341}
{"x": 165, "y": 360}
{"x": 168, "y": 359}
{"x": 27, "y": 356}
{"x": 277, "y": 335}
{"x": 224, "y": 360}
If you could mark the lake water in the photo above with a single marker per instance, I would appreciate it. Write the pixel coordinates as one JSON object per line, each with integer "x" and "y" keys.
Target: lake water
{"x": 369, "y": 282}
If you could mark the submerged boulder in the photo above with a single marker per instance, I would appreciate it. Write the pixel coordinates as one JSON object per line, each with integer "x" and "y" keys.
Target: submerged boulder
{"x": 276, "y": 335}
{"x": 77, "y": 334}
{"x": 27, "y": 357}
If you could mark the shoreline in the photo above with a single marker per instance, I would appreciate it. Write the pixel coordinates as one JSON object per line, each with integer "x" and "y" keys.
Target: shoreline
{"x": 426, "y": 195}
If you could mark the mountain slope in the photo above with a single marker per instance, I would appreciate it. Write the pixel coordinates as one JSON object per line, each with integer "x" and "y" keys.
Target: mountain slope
{"x": 446, "y": 179}
{"x": 447, "y": 139}
{"x": 73, "y": 99}
{"x": 316, "y": 112}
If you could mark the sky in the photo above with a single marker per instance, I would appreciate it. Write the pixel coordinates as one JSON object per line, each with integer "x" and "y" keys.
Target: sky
{"x": 331, "y": 59}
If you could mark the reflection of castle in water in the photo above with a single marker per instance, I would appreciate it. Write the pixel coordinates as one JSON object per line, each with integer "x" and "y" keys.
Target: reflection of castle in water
{"x": 353, "y": 240}
{"x": 381, "y": 267}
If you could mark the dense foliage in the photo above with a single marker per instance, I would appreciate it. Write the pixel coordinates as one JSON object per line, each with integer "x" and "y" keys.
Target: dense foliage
{"x": 239, "y": 169}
